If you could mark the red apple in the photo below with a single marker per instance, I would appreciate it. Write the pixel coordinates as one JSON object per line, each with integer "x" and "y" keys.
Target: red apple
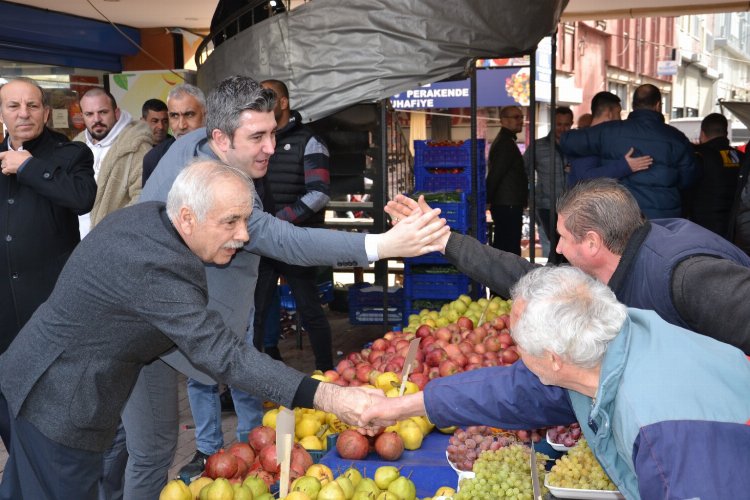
{"x": 375, "y": 356}
{"x": 472, "y": 366}
{"x": 349, "y": 373}
{"x": 343, "y": 365}
{"x": 332, "y": 375}
{"x": 354, "y": 357}
{"x": 454, "y": 328}
{"x": 504, "y": 337}
{"x": 447, "y": 368}
{"x": 435, "y": 357}
{"x": 480, "y": 348}
{"x": 363, "y": 373}
{"x": 380, "y": 345}
{"x": 466, "y": 347}
{"x": 465, "y": 323}
{"x": 389, "y": 336}
{"x": 420, "y": 379}
{"x": 475, "y": 359}
{"x": 452, "y": 350}
{"x": 372, "y": 378}
{"x": 509, "y": 356}
{"x": 424, "y": 331}
{"x": 492, "y": 344}
{"x": 499, "y": 322}
{"x": 434, "y": 372}
{"x": 443, "y": 333}
{"x": 456, "y": 338}
{"x": 461, "y": 360}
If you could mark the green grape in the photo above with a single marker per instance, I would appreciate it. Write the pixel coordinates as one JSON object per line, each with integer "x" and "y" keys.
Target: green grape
{"x": 579, "y": 469}
{"x": 502, "y": 473}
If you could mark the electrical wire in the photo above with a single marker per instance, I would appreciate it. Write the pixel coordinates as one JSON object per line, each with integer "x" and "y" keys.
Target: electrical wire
{"x": 136, "y": 44}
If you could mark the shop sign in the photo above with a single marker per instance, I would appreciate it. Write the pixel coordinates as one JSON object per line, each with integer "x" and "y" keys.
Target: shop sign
{"x": 495, "y": 87}
{"x": 666, "y": 68}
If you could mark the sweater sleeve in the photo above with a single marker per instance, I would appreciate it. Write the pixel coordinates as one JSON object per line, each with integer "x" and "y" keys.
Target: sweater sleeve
{"x": 492, "y": 267}
{"x": 510, "y": 397}
{"x": 592, "y": 167}
{"x": 710, "y": 295}
{"x": 317, "y": 185}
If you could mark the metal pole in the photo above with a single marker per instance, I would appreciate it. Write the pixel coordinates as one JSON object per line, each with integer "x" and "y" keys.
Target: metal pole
{"x": 379, "y": 223}
{"x": 532, "y": 171}
{"x": 552, "y": 236}
{"x": 476, "y": 203}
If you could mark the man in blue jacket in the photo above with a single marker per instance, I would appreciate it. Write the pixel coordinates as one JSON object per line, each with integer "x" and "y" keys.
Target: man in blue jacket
{"x": 657, "y": 189}
{"x": 664, "y": 411}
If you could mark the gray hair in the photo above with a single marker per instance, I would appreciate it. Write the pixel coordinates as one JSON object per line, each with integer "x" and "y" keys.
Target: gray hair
{"x": 603, "y": 206}
{"x": 187, "y": 89}
{"x": 30, "y": 81}
{"x": 230, "y": 98}
{"x": 193, "y": 187}
{"x": 568, "y": 313}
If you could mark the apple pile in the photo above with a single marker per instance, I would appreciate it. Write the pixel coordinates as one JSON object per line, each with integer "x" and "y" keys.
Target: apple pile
{"x": 443, "y": 350}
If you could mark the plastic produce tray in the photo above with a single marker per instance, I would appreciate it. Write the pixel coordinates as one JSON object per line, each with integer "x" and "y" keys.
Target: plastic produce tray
{"x": 366, "y": 304}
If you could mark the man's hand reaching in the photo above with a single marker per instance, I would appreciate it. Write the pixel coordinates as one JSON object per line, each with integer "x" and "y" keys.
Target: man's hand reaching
{"x": 349, "y": 403}
{"x": 417, "y": 230}
{"x": 639, "y": 163}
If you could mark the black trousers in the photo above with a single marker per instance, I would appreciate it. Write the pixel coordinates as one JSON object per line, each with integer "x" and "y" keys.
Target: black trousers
{"x": 41, "y": 469}
{"x": 302, "y": 281}
{"x": 508, "y": 221}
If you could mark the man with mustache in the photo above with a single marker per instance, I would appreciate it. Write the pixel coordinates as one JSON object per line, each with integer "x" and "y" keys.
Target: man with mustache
{"x": 135, "y": 288}
{"x": 47, "y": 183}
{"x": 119, "y": 144}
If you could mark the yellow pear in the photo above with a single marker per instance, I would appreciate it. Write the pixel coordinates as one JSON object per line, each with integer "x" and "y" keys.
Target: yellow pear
{"x": 385, "y": 475}
{"x": 311, "y": 443}
{"x": 320, "y": 471}
{"x": 297, "y": 495}
{"x": 220, "y": 489}
{"x": 307, "y": 426}
{"x": 269, "y": 419}
{"x": 411, "y": 434}
{"x": 197, "y": 485}
{"x": 175, "y": 490}
{"x": 385, "y": 381}
{"x": 346, "y": 486}
{"x": 331, "y": 491}
{"x": 445, "y": 491}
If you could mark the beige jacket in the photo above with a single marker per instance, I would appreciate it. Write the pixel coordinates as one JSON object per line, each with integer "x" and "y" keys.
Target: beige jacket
{"x": 120, "y": 180}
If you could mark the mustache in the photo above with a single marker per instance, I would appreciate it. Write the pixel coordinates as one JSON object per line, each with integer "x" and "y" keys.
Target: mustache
{"x": 233, "y": 244}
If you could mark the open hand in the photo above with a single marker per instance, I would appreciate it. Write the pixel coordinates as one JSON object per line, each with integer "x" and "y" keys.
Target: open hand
{"x": 638, "y": 163}
{"x": 419, "y": 233}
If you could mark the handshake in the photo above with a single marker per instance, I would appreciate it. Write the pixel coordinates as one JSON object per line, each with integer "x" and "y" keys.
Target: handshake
{"x": 367, "y": 408}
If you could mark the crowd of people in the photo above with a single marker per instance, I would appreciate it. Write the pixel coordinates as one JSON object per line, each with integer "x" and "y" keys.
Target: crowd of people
{"x": 132, "y": 254}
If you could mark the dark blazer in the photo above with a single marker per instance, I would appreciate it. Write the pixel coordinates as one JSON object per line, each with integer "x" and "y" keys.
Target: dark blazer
{"x": 131, "y": 291}
{"x": 507, "y": 182}
{"x": 39, "y": 210}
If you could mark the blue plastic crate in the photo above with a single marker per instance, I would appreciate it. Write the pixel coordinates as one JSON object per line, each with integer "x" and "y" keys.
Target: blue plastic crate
{"x": 325, "y": 294}
{"x": 366, "y": 304}
{"x": 433, "y": 285}
{"x": 442, "y": 179}
{"x": 455, "y": 213}
{"x": 428, "y": 258}
{"x": 427, "y": 155}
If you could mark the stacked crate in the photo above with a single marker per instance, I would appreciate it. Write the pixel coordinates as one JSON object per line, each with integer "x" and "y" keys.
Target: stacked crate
{"x": 443, "y": 173}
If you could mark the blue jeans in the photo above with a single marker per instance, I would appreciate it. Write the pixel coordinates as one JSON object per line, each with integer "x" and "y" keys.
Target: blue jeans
{"x": 206, "y": 409}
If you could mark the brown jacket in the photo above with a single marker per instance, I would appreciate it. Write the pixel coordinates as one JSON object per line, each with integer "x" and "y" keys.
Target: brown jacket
{"x": 119, "y": 180}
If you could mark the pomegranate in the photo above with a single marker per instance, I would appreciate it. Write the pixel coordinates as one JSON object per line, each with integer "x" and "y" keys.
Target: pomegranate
{"x": 260, "y": 437}
{"x": 243, "y": 451}
{"x": 301, "y": 457}
{"x": 352, "y": 445}
{"x": 221, "y": 464}
{"x": 268, "y": 459}
{"x": 389, "y": 446}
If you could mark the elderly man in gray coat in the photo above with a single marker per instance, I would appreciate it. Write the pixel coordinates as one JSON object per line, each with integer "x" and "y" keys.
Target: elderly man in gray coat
{"x": 134, "y": 289}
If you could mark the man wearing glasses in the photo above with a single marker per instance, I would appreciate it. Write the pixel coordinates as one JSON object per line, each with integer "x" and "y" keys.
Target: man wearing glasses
{"x": 507, "y": 182}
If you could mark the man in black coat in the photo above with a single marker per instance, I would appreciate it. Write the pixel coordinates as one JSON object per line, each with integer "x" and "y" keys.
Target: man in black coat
{"x": 709, "y": 202}
{"x": 47, "y": 182}
{"x": 507, "y": 182}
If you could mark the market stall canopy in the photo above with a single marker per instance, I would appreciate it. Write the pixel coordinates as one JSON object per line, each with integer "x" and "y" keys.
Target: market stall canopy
{"x": 333, "y": 54}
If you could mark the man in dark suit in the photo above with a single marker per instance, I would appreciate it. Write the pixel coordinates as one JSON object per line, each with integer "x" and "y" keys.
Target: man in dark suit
{"x": 47, "y": 183}
{"x": 134, "y": 289}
